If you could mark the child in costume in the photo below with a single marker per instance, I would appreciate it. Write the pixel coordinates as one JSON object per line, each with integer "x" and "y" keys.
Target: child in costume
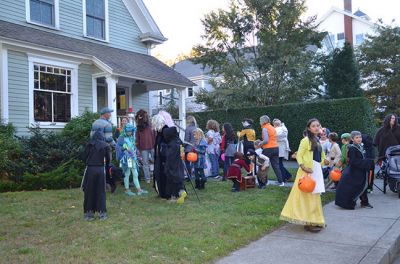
{"x": 234, "y": 171}
{"x": 128, "y": 158}
{"x": 354, "y": 181}
{"x": 213, "y": 149}
{"x": 301, "y": 207}
{"x": 200, "y": 147}
{"x": 249, "y": 136}
{"x": 261, "y": 166}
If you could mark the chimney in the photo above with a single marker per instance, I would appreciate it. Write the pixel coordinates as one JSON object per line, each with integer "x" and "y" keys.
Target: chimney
{"x": 348, "y": 22}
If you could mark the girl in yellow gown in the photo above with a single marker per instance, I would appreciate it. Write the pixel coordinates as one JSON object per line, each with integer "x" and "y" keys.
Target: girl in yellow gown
{"x": 306, "y": 208}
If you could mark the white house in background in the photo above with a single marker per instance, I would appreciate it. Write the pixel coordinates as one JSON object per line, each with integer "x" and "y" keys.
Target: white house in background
{"x": 196, "y": 74}
{"x": 344, "y": 25}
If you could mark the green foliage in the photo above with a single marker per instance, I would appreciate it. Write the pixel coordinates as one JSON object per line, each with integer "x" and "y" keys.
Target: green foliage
{"x": 341, "y": 115}
{"x": 341, "y": 74}
{"x": 379, "y": 61}
{"x": 78, "y": 129}
{"x": 266, "y": 71}
{"x": 10, "y": 149}
{"x": 66, "y": 175}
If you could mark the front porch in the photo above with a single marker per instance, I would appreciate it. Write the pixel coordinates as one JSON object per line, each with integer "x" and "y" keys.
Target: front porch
{"x": 125, "y": 94}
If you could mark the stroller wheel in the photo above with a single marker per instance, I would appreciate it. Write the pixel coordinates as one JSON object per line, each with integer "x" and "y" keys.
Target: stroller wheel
{"x": 393, "y": 185}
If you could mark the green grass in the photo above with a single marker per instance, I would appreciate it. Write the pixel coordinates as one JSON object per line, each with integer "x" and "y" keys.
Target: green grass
{"x": 47, "y": 226}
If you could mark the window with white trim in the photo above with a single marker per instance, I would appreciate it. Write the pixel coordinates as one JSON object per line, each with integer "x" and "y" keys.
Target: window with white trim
{"x": 190, "y": 92}
{"x": 43, "y": 12}
{"x": 51, "y": 93}
{"x": 96, "y": 19}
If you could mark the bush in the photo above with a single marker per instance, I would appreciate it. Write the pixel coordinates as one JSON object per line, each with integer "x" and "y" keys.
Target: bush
{"x": 342, "y": 115}
{"x": 78, "y": 129}
{"x": 10, "y": 151}
{"x": 45, "y": 150}
{"x": 66, "y": 175}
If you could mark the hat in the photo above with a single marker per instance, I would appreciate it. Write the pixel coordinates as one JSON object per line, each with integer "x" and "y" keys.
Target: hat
{"x": 105, "y": 110}
{"x": 250, "y": 152}
{"x": 345, "y": 136}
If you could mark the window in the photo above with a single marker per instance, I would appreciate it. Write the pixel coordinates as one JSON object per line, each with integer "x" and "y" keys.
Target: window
{"x": 359, "y": 39}
{"x": 43, "y": 12}
{"x": 168, "y": 91}
{"x": 51, "y": 94}
{"x": 190, "y": 92}
{"x": 340, "y": 36}
{"x": 95, "y": 19}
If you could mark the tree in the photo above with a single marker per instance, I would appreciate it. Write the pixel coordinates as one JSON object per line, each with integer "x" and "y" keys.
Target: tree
{"x": 341, "y": 74}
{"x": 261, "y": 52}
{"x": 379, "y": 60}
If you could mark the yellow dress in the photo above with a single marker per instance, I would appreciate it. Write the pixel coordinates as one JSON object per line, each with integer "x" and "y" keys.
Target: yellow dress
{"x": 303, "y": 208}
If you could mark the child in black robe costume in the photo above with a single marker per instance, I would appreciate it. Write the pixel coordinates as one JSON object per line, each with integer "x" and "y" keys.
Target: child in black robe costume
{"x": 354, "y": 181}
{"x": 94, "y": 181}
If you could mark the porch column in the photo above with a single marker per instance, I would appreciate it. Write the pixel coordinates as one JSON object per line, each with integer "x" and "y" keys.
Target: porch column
{"x": 112, "y": 96}
{"x": 182, "y": 110}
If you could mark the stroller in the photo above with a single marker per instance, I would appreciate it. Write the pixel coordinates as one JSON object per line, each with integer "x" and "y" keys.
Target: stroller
{"x": 391, "y": 169}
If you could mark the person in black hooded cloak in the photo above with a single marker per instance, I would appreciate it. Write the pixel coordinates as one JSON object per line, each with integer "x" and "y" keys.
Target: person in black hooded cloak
{"x": 168, "y": 166}
{"x": 96, "y": 153}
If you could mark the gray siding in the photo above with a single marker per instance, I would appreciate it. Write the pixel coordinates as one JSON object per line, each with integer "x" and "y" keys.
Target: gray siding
{"x": 124, "y": 33}
{"x": 85, "y": 88}
{"x": 18, "y": 91}
{"x": 140, "y": 98}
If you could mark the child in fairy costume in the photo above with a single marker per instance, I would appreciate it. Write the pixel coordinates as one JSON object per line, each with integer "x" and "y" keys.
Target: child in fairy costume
{"x": 127, "y": 155}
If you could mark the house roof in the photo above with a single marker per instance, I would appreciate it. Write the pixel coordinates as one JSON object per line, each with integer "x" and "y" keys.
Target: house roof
{"x": 335, "y": 9}
{"x": 117, "y": 61}
{"x": 151, "y": 33}
{"x": 189, "y": 69}
{"x": 360, "y": 13}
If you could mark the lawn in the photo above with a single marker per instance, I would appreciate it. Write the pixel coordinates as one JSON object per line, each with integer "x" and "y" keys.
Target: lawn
{"x": 47, "y": 226}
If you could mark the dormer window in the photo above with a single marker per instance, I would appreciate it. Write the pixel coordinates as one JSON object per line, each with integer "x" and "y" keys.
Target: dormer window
{"x": 42, "y": 12}
{"x": 95, "y": 19}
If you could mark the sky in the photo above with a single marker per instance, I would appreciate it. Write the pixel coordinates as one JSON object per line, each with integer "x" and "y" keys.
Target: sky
{"x": 179, "y": 20}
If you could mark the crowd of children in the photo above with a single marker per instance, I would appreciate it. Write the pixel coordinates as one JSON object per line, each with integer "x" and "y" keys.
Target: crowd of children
{"x": 318, "y": 155}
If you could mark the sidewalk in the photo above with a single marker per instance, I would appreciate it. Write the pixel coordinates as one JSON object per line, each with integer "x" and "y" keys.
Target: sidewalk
{"x": 351, "y": 236}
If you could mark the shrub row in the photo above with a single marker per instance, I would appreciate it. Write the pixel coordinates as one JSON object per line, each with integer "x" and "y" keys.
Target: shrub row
{"x": 341, "y": 115}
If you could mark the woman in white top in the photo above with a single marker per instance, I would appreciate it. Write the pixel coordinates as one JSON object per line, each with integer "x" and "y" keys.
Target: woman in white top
{"x": 283, "y": 142}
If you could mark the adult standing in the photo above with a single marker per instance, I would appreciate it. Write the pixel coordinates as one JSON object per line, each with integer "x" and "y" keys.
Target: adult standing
{"x": 283, "y": 144}
{"x": 104, "y": 125}
{"x": 388, "y": 135}
{"x": 270, "y": 146}
{"x": 168, "y": 167}
{"x": 97, "y": 152}
{"x": 145, "y": 141}
{"x": 191, "y": 127}
{"x": 229, "y": 145}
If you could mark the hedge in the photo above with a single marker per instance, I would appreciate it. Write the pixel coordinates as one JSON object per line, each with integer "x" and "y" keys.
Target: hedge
{"x": 340, "y": 116}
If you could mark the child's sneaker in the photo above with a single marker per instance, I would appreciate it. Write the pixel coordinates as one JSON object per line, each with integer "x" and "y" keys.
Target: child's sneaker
{"x": 130, "y": 193}
{"x": 182, "y": 196}
{"x": 88, "y": 216}
{"x": 103, "y": 216}
{"x": 141, "y": 192}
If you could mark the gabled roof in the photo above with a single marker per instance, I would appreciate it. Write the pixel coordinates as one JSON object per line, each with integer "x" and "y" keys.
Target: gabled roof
{"x": 335, "y": 9}
{"x": 360, "y": 13}
{"x": 189, "y": 69}
{"x": 116, "y": 61}
{"x": 150, "y": 31}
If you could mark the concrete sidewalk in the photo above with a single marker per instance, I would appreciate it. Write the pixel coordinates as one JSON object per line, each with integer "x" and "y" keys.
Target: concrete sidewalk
{"x": 351, "y": 236}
